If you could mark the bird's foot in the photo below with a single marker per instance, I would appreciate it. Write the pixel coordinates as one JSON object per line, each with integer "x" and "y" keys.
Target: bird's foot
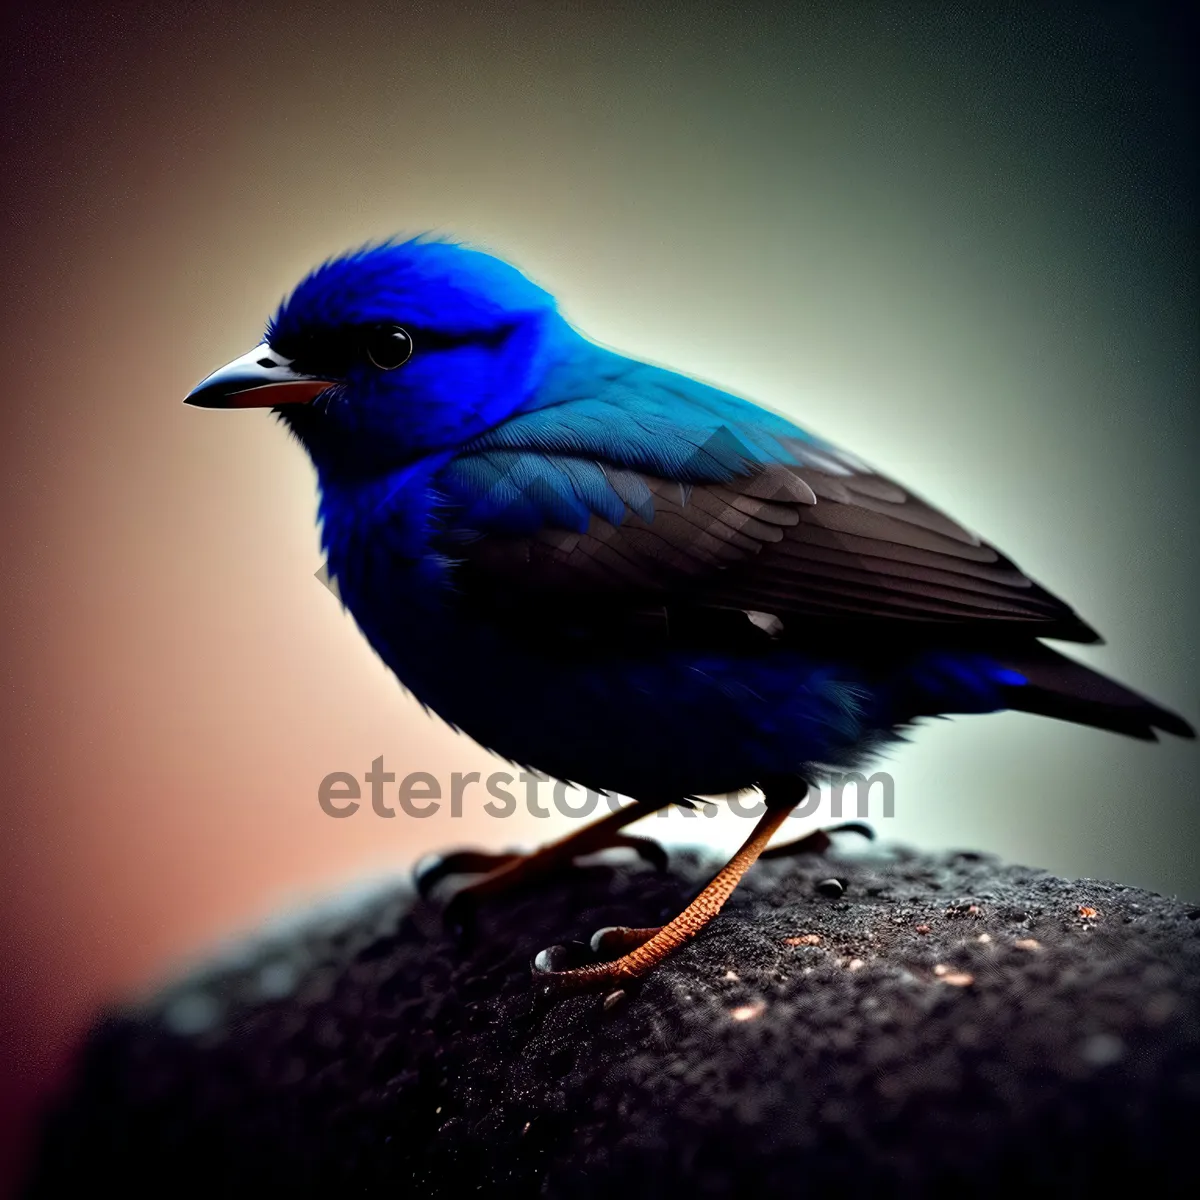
{"x": 433, "y": 868}
{"x": 511, "y": 871}
{"x": 639, "y": 950}
{"x": 818, "y": 841}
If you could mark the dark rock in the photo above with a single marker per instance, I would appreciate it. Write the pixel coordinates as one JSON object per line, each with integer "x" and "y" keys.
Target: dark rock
{"x": 1006, "y": 1044}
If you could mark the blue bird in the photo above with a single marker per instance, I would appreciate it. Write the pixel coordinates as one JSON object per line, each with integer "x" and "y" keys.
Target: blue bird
{"x": 627, "y": 579}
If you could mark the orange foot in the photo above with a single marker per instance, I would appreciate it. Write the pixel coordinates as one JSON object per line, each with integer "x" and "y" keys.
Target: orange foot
{"x": 642, "y": 949}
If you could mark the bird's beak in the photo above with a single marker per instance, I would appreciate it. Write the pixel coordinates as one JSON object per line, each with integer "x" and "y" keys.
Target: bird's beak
{"x": 259, "y": 379}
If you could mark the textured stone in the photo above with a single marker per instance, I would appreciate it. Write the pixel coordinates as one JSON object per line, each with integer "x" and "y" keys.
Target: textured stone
{"x": 945, "y": 1025}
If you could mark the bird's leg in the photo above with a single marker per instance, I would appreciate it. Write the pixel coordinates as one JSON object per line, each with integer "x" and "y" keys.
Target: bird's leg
{"x": 615, "y": 940}
{"x": 507, "y": 871}
{"x": 781, "y": 798}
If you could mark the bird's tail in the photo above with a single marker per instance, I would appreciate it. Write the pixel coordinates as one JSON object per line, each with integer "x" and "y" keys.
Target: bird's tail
{"x": 1057, "y": 686}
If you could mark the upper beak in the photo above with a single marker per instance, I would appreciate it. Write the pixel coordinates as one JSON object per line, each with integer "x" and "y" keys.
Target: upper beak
{"x": 259, "y": 379}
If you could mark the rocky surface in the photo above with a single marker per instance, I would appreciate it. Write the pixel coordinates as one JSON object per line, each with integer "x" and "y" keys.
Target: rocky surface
{"x": 944, "y": 1025}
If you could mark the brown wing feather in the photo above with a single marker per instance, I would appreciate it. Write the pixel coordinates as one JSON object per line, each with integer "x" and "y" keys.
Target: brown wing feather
{"x": 831, "y": 541}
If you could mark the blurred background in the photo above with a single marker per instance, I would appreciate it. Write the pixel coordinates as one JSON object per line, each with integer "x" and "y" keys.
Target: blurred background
{"x": 963, "y": 245}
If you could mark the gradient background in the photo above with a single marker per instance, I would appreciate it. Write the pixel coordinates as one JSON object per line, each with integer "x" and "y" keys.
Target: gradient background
{"x": 964, "y": 246}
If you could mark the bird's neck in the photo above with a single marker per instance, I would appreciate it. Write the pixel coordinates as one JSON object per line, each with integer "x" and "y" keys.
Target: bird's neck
{"x": 376, "y": 532}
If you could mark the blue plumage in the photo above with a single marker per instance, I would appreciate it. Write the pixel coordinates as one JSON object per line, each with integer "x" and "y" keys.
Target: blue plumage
{"x": 617, "y": 574}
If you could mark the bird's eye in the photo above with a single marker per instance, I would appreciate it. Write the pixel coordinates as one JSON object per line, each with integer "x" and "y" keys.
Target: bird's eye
{"x": 389, "y": 346}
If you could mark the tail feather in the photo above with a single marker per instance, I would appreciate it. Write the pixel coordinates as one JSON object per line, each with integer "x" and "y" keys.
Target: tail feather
{"x": 1057, "y": 686}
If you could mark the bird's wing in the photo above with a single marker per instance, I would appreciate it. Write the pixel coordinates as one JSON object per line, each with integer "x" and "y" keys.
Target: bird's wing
{"x": 649, "y": 490}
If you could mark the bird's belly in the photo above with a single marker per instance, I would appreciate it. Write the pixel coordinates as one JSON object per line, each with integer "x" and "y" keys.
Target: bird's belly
{"x": 665, "y": 723}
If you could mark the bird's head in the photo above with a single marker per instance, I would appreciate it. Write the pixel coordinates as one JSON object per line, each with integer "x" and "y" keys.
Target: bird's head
{"x": 394, "y": 351}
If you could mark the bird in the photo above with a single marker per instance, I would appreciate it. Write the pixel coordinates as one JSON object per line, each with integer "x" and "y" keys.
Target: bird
{"x": 626, "y": 578}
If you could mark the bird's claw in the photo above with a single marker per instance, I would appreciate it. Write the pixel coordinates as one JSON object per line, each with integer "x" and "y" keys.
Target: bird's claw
{"x": 859, "y": 827}
{"x": 459, "y": 914}
{"x": 818, "y": 841}
{"x": 647, "y": 849}
{"x": 569, "y": 970}
{"x": 433, "y": 868}
{"x": 614, "y": 940}
{"x": 558, "y": 958}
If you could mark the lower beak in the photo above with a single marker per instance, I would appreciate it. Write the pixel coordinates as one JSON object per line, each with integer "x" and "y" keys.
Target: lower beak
{"x": 259, "y": 379}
